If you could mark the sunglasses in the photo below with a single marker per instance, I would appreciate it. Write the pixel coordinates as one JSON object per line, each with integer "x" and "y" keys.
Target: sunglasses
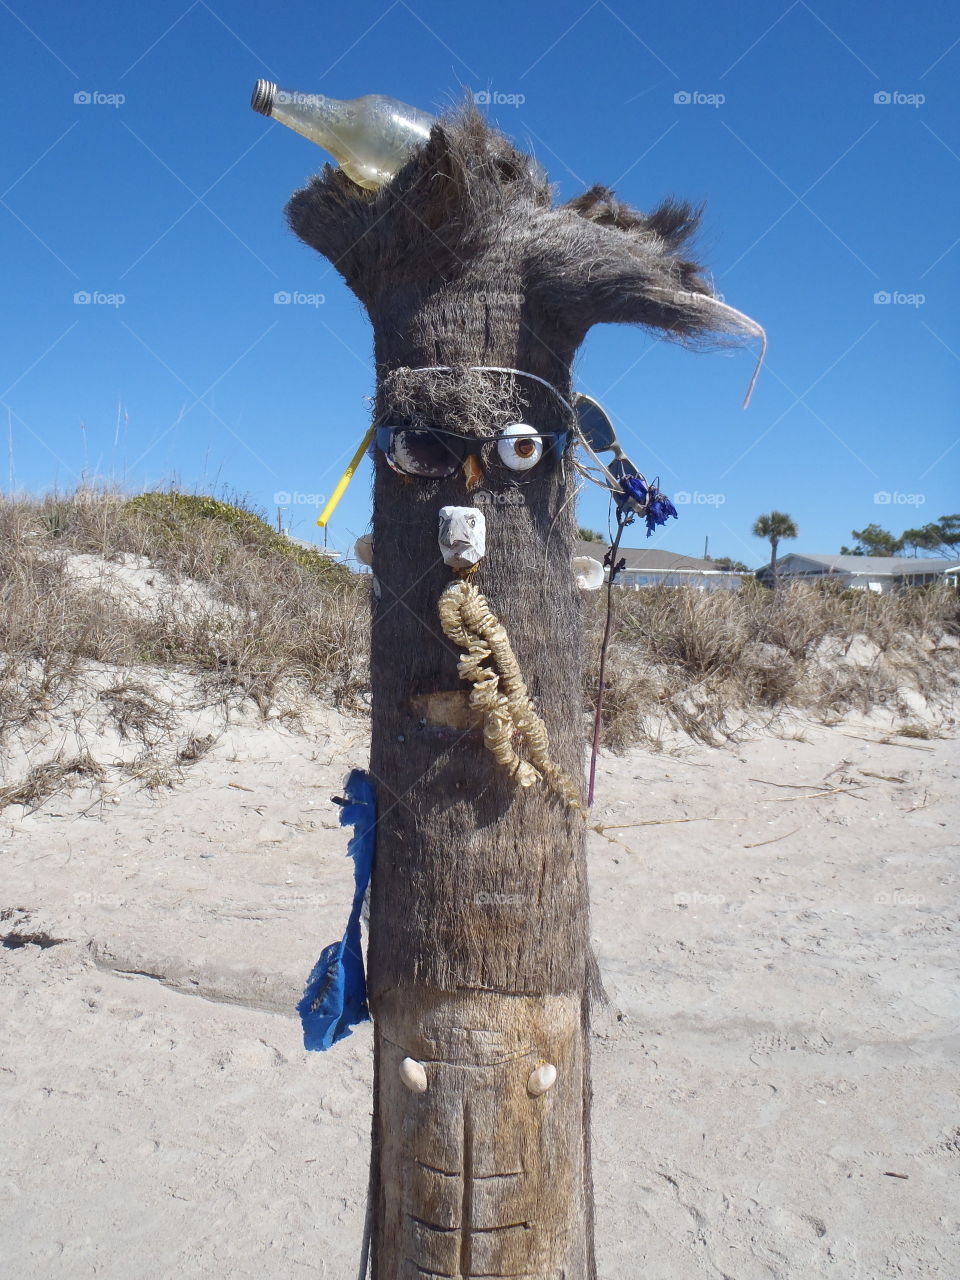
{"x": 435, "y": 453}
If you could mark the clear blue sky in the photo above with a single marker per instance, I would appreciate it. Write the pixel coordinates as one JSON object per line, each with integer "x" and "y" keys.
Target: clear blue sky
{"x": 818, "y": 198}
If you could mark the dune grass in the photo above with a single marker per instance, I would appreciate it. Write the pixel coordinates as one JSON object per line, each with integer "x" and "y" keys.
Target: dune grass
{"x": 263, "y": 619}
{"x": 251, "y": 611}
{"x": 707, "y": 661}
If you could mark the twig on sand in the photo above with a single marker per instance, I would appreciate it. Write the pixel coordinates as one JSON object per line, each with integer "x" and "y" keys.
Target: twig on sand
{"x": 760, "y": 843}
{"x": 796, "y": 786}
{"x": 815, "y": 795}
{"x": 602, "y": 830}
{"x": 656, "y": 822}
{"x": 887, "y": 1173}
{"x": 924, "y": 803}
{"x": 888, "y": 742}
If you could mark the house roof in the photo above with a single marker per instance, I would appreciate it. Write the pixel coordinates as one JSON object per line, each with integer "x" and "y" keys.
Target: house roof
{"x": 651, "y": 558}
{"x": 863, "y": 566}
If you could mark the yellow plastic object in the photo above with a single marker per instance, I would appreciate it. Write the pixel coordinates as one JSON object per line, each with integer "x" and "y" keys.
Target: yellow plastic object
{"x": 345, "y": 479}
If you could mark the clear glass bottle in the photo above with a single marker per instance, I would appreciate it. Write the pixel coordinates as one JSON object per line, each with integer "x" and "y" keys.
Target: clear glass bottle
{"x": 370, "y": 137}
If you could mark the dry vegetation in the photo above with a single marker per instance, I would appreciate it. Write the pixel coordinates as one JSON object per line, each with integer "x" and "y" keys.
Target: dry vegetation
{"x": 234, "y": 601}
{"x": 709, "y": 662}
{"x": 207, "y": 589}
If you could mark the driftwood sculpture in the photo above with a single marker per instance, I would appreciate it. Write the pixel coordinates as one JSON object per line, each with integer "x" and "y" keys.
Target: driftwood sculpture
{"x": 480, "y": 970}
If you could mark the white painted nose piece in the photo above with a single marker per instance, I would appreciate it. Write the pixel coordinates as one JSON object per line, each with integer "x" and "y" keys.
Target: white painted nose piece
{"x": 463, "y": 536}
{"x": 414, "y": 1076}
{"x": 542, "y": 1079}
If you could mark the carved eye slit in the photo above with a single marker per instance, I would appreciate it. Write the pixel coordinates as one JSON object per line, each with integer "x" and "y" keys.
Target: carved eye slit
{"x": 520, "y": 447}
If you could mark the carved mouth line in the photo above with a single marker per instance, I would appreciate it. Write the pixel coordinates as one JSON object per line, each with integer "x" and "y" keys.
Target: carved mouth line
{"x": 443, "y": 1275}
{"x": 432, "y": 1226}
{"x": 457, "y": 1173}
{"x": 475, "y": 1275}
{"x": 477, "y": 1231}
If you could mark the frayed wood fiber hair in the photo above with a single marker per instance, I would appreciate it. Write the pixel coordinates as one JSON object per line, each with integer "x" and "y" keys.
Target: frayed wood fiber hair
{"x": 468, "y": 203}
{"x": 471, "y": 401}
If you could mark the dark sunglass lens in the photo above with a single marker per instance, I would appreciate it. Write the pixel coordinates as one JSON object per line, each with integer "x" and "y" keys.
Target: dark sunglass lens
{"x": 425, "y": 453}
{"x": 594, "y": 424}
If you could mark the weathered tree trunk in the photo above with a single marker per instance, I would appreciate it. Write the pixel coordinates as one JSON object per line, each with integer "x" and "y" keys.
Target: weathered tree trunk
{"x": 479, "y": 964}
{"x": 478, "y": 920}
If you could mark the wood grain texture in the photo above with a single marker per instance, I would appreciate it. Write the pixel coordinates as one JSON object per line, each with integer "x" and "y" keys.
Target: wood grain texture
{"x": 480, "y": 1178}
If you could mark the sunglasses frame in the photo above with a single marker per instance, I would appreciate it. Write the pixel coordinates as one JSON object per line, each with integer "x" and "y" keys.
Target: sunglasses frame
{"x": 554, "y": 441}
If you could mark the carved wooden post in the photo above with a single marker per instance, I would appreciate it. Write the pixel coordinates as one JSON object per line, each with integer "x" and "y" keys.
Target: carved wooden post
{"x": 479, "y": 962}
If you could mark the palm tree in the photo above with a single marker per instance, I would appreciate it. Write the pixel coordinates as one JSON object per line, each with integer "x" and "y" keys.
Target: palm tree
{"x": 775, "y": 526}
{"x": 479, "y": 959}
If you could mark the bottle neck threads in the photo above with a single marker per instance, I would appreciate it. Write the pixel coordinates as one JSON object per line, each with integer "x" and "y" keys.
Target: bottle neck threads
{"x": 263, "y": 97}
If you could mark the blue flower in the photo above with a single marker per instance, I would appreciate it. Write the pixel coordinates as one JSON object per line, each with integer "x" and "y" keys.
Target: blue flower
{"x": 638, "y": 497}
{"x": 659, "y": 511}
{"x": 634, "y": 488}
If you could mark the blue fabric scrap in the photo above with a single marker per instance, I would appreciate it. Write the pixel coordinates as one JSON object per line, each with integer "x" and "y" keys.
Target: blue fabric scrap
{"x": 335, "y": 998}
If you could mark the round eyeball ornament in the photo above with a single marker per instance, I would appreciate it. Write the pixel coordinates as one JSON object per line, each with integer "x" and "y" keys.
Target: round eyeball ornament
{"x": 520, "y": 447}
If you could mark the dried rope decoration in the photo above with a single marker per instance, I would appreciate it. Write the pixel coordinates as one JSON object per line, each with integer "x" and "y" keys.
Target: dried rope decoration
{"x": 499, "y": 691}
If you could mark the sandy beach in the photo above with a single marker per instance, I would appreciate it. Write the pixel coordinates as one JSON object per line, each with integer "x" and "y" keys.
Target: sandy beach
{"x": 774, "y": 1070}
